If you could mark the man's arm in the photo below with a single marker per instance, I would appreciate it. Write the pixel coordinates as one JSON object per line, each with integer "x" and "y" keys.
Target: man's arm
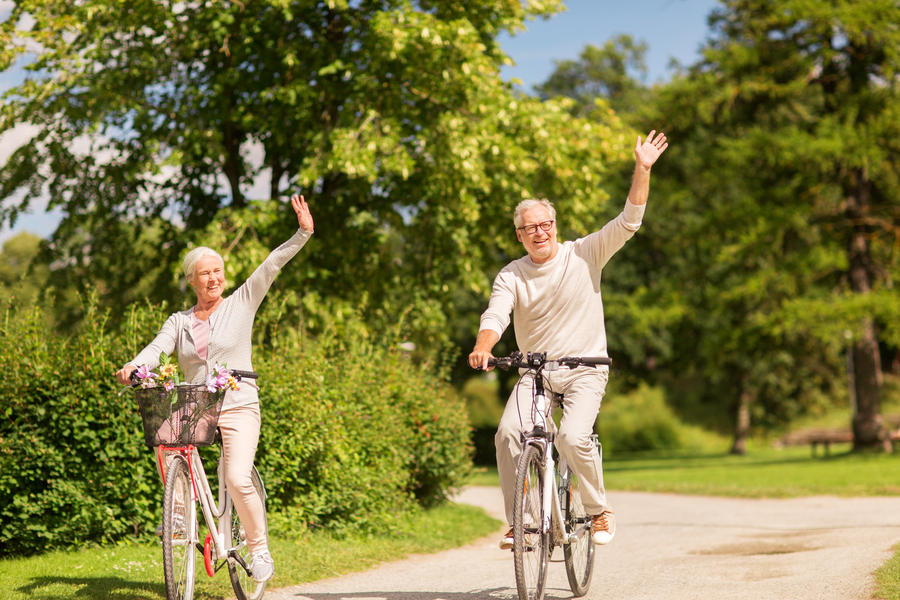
{"x": 645, "y": 155}
{"x": 484, "y": 343}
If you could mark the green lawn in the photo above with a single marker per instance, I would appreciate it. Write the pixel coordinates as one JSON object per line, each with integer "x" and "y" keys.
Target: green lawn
{"x": 763, "y": 472}
{"x": 134, "y": 571}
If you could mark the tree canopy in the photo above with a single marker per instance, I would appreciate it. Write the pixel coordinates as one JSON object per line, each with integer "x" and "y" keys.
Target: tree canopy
{"x": 389, "y": 115}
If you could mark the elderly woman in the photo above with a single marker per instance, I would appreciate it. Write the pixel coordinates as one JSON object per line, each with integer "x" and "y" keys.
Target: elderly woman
{"x": 218, "y": 330}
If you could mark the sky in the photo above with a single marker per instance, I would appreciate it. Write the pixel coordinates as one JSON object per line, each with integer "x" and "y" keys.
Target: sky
{"x": 671, "y": 28}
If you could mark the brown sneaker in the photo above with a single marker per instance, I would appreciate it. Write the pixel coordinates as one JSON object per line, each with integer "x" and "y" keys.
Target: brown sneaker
{"x": 603, "y": 527}
{"x": 506, "y": 542}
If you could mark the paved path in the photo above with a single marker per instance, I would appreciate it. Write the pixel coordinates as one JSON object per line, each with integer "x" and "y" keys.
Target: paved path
{"x": 667, "y": 547}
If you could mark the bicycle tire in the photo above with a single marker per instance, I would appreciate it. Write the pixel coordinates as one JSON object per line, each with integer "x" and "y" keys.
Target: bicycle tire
{"x": 179, "y": 531}
{"x": 245, "y": 588}
{"x": 578, "y": 555}
{"x": 530, "y": 543}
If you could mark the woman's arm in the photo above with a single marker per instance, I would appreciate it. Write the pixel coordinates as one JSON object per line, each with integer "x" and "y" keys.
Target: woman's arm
{"x": 254, "y": 289}
{"x": 163, "y": 342}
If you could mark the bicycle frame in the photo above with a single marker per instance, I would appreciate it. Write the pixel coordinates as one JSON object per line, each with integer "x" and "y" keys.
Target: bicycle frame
{"x": 213, "y": 511}
{"x": 553, "y": 520}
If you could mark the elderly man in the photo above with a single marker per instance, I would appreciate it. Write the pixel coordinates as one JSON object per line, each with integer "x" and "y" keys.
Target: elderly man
{"x": 554, "y": 295}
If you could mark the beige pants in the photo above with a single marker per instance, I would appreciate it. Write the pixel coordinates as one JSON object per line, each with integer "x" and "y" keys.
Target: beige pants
{"x": 583, "y": 389}
{"x": 240, "y": 436}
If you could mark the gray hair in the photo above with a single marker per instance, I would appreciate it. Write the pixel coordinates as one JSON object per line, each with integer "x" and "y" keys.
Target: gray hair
{"x": 530, "y": 203}
{"x": 190, "y": 261}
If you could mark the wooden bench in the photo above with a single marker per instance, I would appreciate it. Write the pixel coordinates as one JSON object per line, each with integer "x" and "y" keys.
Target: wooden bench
{"x": 818, "y": 437}
{"x": 825, "y": 437}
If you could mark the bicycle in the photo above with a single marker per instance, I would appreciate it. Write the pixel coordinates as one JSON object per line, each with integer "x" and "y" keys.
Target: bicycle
{"x": 176, "y": 426}
{"x": 544, "y": 517}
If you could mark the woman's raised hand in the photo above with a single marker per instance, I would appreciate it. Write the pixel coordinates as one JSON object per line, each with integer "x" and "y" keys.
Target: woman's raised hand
{"x": 304, "y": 217}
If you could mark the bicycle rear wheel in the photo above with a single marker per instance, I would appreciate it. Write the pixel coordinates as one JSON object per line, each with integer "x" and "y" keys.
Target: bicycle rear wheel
{"x": 179, "y": 531}
{"x": 245, "y": 588}
{"x": 579, "y": 554}
{"x": 530, "y": 547}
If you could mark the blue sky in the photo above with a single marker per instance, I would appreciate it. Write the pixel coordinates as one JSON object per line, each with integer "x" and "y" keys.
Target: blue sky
{"x": 671, "y": 29}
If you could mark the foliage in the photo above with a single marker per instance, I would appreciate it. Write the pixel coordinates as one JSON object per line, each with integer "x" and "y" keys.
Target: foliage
{"x": 335, "y": 450}
{"x": 771, "y": 232}
{"x": 21, "y": 277}
{"x": 612, "y": 72}
{"x": 390, "y": 115}
{"x": 73, "y": 466}
{"x": 641, "y": 420}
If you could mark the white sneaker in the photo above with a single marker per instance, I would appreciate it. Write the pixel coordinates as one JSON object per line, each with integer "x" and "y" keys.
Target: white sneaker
{"x": 507, "y": 541}
{"x": 262, "y": 567}
{"x": 603, "y": 527}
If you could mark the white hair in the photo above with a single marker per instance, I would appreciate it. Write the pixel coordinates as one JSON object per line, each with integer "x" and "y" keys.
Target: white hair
{"x": 190, "y": 261}
{"x": 530, "y": 203}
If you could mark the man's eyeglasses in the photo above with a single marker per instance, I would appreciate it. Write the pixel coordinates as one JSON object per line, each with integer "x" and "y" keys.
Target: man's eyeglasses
{"x": 532, "y": 229}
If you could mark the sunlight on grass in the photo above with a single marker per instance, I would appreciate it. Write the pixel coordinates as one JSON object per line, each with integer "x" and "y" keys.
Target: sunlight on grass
{"x": 761, "y": 473}
{"x": 134, "y": 571}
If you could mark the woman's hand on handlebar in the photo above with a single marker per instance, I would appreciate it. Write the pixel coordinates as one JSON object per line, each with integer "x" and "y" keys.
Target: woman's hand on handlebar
{"x": 123, "y": 375}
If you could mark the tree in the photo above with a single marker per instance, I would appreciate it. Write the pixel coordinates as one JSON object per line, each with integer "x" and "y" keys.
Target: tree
{"x": 390, "y": 115}
{"x": 605, "y": 72}
{"x": 20, "y": 279}
{"x": 792, "y": 117}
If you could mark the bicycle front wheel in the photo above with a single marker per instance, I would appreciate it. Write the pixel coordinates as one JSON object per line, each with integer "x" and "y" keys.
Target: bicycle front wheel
{"x": 245, "y": 588}
{"x": 179, "y": 531}
{"x": 579, "y": 554}
{"x": 530, "y": 541}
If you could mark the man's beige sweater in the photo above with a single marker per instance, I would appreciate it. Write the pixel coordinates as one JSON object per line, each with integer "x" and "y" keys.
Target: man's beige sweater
{"x": 556, "y": 305}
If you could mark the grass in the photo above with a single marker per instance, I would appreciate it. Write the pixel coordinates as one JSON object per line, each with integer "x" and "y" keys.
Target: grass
{"x": 762, "y": 473}
{"x": 133, "y": 571}
{"x": 888, "y": 578}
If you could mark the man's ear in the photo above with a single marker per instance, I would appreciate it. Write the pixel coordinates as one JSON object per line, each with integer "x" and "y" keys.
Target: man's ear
{"x": 518, "y": 235}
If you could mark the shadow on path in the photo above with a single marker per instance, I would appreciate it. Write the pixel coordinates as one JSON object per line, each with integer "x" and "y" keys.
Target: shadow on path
{"x": 502, "y": 593}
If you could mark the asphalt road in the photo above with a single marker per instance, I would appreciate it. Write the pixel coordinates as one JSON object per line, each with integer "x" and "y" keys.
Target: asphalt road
{"x": 667, "y": 547}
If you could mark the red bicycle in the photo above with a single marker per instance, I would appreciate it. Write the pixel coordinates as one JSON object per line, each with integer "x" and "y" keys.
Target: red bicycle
{"x": 177, "y": 422}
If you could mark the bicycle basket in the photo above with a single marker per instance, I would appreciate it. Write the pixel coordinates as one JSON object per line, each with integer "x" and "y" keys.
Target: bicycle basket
{"x": 188, "y": 414}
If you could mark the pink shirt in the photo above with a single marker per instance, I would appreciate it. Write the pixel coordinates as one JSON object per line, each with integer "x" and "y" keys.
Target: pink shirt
{"x": 200, "y": 333}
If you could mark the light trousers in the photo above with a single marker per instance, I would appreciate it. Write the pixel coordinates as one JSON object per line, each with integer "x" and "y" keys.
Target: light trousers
{"x": 240, "y": 436}
{"x": 583, "y": 390}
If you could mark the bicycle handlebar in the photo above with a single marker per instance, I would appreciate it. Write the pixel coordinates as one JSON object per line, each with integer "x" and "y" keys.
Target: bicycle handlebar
{"x": 237, "y": 373}
{"x": 539, "y": 361}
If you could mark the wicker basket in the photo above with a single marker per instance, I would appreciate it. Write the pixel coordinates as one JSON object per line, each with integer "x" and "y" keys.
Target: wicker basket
{"x": 188, "y": 414}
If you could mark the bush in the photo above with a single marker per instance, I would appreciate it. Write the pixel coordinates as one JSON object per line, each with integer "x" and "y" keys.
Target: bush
{"x": 638, "y": 421}
{"x": 353, "y": 433}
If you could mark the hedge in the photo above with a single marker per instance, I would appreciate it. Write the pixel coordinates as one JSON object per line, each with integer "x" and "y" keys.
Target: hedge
{"x": 353, "y": 432}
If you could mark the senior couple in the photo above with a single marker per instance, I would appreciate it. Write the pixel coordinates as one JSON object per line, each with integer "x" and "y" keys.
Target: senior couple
{"x": 552, "y": 293}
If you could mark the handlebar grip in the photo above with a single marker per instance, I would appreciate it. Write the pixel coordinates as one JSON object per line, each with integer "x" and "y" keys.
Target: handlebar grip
{"x": 596, "y": 360}
{"x": 244, "y": 374}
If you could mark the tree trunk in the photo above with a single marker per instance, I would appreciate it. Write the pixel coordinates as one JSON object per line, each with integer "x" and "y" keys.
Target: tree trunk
{"x": 742, "y": 424}
{"x": 868, "y": 428}
{"x": 234, "y": 164}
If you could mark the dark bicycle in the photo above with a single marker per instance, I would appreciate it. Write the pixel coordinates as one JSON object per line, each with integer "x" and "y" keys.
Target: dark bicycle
{"x": 548, "y": 509}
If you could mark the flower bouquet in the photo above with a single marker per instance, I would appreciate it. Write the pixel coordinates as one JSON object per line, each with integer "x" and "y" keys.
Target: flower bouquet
{"x": 175, "y": 413}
